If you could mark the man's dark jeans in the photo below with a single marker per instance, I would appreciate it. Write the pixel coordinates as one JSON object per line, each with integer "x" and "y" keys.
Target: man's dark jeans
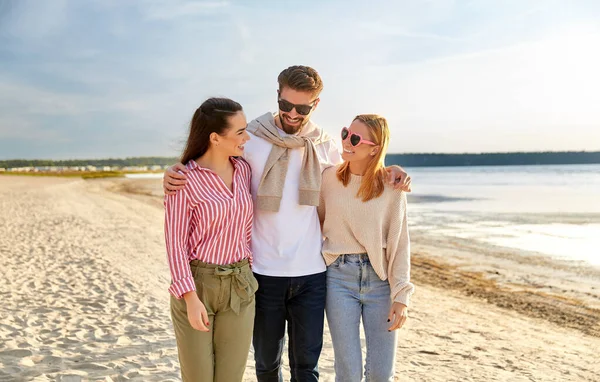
{"x": 301, "y": 302}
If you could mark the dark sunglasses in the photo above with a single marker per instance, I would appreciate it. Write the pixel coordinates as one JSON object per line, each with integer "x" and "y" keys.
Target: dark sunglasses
{"x": 355, "y": 139}
{"x": 287, "y": 106}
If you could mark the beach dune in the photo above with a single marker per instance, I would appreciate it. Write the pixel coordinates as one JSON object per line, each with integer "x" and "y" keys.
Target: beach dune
{"x": 84, "y": 297}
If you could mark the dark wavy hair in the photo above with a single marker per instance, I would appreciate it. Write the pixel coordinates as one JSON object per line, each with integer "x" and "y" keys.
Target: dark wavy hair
{"x": 210, "y": 117}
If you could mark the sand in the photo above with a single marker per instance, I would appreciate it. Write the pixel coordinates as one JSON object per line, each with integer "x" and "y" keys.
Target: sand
{"x": 84, "y": 297}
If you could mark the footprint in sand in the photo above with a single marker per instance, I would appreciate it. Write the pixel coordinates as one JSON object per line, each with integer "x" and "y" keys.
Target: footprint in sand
{"x": 16, "y": 353}
{"x": 52, "y": 360}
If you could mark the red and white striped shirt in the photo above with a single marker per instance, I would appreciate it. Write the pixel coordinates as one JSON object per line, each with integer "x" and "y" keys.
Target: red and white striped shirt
{"x": 206, "y": 221}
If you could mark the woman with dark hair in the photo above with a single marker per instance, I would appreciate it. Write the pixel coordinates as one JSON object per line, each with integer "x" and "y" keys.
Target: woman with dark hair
{"x": 208, "y": 226}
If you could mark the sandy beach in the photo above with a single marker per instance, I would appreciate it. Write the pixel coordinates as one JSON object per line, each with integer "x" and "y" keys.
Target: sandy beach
{"x": 84, "y": 297}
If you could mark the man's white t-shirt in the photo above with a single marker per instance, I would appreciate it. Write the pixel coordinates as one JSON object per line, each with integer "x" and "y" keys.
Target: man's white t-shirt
{"x": 287, "y": 242}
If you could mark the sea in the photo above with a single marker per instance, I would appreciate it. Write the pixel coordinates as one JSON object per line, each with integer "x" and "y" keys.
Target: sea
{"x": 552, "y": 210}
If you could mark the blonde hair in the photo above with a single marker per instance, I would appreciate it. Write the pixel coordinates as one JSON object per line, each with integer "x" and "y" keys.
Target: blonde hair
{"x": 373, "y": 180}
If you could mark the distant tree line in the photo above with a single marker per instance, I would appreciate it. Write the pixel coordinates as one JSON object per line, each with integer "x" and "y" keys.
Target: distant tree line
{"x": 120, "y": 162}
{"x": 494, "y": 159}
{"x": 409, "y": 160}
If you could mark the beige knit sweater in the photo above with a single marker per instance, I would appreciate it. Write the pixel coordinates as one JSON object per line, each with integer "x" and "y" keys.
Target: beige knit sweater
{"x": 377, "y": 227}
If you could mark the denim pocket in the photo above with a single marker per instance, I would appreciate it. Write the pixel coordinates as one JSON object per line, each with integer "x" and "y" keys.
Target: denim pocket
{"x": 337, "y": 263}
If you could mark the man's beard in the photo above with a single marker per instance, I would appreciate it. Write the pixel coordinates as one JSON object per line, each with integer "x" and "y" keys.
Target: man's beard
{"x": 292, "y": 129}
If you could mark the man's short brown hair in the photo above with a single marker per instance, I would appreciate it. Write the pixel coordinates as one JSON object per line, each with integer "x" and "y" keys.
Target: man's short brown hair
{"x": 301, "y": 78}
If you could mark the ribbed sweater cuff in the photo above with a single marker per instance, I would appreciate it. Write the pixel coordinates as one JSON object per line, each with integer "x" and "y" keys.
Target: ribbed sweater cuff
{"x": 268, "y": 203}
{"x": 308, "y": 197}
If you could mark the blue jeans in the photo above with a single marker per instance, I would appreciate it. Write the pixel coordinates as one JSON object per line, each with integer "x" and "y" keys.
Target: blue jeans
{"x": 301, "y": 302}
{"x": 353, "y": 291}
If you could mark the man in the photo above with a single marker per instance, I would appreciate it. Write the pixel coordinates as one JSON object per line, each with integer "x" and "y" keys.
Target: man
{"x": 287, "y": 154}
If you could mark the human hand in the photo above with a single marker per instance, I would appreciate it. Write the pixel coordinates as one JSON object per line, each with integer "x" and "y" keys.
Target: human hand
{"x": 398, "y": 315}
{"x": 196, "y": 312}
{"x": 398, "y": 178}
{"x": 173, "y": 181}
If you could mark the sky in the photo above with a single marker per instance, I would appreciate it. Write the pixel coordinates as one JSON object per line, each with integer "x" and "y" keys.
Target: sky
{"x": 113, "y": 78}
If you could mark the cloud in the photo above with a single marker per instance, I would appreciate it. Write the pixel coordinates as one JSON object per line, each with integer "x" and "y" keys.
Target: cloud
{"x": 380, "y": 29}
{"x": 167, "y": 10}
{"x": 524, "y": 96}
{"x": 450, "y": 76}
{"x": 35, "y": 20}
{"x": 247, "y": 51}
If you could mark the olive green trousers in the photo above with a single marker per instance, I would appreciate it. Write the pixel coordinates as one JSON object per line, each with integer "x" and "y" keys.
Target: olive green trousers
{"x": 219, "y": 355}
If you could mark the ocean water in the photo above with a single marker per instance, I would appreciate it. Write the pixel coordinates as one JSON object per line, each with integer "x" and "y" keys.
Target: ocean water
{"x": 551, "y": 210}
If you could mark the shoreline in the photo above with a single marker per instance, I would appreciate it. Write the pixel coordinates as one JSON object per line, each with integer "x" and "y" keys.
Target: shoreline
{"x": 568, "y": 304}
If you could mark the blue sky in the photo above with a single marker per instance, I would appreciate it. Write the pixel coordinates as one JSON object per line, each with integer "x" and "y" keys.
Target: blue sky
{"x": 113, "y": 78}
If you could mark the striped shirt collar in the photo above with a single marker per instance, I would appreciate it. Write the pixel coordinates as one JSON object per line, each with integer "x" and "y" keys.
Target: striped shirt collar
{"x": 192, "y": 165}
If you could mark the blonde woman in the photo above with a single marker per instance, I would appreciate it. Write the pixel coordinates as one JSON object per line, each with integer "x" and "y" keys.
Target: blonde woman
{"x": 367, "y": 252}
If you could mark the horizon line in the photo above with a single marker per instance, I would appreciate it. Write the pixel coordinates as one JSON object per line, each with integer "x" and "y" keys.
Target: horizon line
{"x": 415, "y": 153}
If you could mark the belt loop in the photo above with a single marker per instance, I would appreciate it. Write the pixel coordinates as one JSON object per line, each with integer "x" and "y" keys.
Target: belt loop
{"x": 343, "y": 258}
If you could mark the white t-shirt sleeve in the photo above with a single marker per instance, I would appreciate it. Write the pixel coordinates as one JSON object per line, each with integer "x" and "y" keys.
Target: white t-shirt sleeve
{"x": 331, "y": 155}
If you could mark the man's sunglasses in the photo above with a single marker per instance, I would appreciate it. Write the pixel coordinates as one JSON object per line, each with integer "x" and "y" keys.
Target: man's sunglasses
{"x": 287, "y": 106}
{"x": 355, "y": 139}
